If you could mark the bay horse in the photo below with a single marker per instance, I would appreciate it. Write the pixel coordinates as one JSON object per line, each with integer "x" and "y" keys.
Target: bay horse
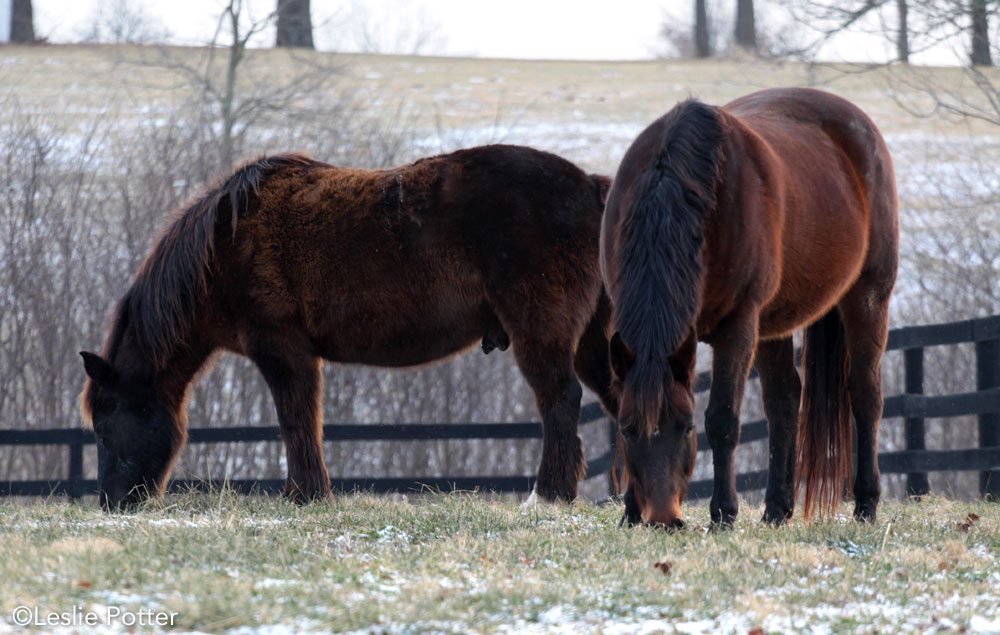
{"x": 736, "y": 226}
{"x": 291, "y": 261}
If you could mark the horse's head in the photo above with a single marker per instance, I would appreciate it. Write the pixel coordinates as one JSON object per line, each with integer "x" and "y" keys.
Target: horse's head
{"x": 657, "y": 433}
{"x": 137, "y": 438}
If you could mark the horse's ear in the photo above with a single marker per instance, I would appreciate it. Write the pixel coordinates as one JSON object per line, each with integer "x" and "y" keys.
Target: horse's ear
{"x": 98, "y": 369}
{"x": 602, "y": 184}
{"x": 622, "y": 357}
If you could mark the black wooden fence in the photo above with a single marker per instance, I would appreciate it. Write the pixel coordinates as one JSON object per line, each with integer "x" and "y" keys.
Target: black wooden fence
{"x": 912, "y": 406}
{"x": 75, "y": 485}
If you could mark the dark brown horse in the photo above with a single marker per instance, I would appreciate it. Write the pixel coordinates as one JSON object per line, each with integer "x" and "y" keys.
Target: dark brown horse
{"x": 291, "y": 261}
{"x": 736, "y": 226}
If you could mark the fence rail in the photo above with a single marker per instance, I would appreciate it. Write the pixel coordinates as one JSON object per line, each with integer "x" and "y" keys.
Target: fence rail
{"x": 912, "y": 406}
{"x": 75, "y": 485}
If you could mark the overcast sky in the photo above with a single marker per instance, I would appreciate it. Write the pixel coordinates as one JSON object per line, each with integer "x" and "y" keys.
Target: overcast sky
{"x": 545, "y": 29}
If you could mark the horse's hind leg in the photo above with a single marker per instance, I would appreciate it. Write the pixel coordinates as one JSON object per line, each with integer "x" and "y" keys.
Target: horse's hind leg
{"x": 593, "y": 366}
{"x": 295, "y": 381}
{"x": 591, "y": 360}
{"x": 547, "y": 367}
{"x": 781, "y": 390}
{"x": 865, "y": 311}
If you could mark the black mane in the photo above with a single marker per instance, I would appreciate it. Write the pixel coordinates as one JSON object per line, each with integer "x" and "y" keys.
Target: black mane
{"x": 166, "y": 291}
{"x": 658, "y": 284}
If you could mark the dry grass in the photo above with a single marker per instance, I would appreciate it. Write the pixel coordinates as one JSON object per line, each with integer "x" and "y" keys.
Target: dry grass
{"x": 563, "y": 106}
{"x": 461, "y": 563}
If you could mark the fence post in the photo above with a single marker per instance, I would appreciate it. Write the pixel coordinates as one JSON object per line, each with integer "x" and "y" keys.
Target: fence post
{"x": 913, "y": 364}
{"x": 75, "y": 478}
{"x": 988, "y": 376}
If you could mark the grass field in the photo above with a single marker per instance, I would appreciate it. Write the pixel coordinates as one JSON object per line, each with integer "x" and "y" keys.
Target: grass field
{"x": 466, "y": 563}
{"x": 462, "y": 563}
{"x": 589, "y": 111}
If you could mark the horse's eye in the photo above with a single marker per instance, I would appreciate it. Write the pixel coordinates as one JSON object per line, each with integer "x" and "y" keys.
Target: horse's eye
{"x": 630, "y": 432}
{"x": 688, "y": 428}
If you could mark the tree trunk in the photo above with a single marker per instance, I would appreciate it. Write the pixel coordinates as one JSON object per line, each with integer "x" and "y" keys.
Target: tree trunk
{"x": 294, "y": 24}
{"x": 980, "y": 34}
{"x": 22, "y": 26}
{"x": 702, "y": 42}
{"x": 746, "y": 31}
{"x": 903, "y": 34}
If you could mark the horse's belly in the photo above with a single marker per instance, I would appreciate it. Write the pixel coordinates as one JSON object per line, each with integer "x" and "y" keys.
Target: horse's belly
{"x": 405, "y": 331}
{"x": 782, "y": 320}
{"x": 399, "y": 349}
{"x": 804, "y": 298}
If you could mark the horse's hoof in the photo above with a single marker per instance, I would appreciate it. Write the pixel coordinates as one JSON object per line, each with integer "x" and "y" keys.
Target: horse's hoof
{"x": 776, "y": 518}
{"x": 723, "y": 521}
{"x": 531, "y": 502}
{"x": 864, "y": 513}
{"x": 301, "y": 497}
{"x": 535, "y": 501}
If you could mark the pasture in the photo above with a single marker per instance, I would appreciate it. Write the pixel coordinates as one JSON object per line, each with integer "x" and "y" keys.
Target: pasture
{"x": 463, "y": 563}
{"x": 111, "y": 138}
{"x": 107, "y": 136}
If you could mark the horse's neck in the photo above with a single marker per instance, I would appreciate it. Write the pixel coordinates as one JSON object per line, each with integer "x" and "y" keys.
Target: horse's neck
{"x": 171, "y": 380}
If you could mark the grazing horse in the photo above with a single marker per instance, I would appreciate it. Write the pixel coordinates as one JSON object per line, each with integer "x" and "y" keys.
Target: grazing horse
{"x": 291, "y": 261}
{"x": 736, "y": 226}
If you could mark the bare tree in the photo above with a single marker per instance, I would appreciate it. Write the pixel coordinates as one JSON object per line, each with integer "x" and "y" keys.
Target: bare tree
{"x": 702, "y": 35}
{"x": 227, "y": 81}
{"x": 902, "y": 31}
{"x": 22, "y": 23}
{"x": 294, "y": 24}
{"x": 399, "y": 27}
{"x": 980, "y": 34}
{"x": 911, "y": 26}
{"x": 711, "y": 30}
{"x": 831, "y": 18}
{"x": 123, "y": 21}
{"x": 745, "y": 33}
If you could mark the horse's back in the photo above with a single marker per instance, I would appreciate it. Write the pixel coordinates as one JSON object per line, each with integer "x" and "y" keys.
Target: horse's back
{"x": 829, "y": 194}
{"x": 822, "y": 120}
{"x": 402, "y": 266}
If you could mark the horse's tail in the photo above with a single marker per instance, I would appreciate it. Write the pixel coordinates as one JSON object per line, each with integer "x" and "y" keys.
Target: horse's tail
{"x": 825, "y": 429}
{"x": 173, "y": 278}
{"x": 657, "y": 285}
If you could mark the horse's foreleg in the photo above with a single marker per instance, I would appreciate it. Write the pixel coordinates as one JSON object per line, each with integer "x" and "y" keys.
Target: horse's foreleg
{"x": 866, "y": 323}
{"x": 296, "y": 382}
{"x": 632, "y": 515}
{"x": 733, "y": 345}
{"x": 557, "y": 393}
{"x": 781, "y": 390}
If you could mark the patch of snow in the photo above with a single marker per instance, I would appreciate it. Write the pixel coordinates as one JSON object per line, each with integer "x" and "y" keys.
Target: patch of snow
{"x": 980, "y": 624}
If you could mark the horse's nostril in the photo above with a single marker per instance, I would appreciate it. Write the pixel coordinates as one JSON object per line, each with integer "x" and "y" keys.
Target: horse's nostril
{"x": 677, "y": 524}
